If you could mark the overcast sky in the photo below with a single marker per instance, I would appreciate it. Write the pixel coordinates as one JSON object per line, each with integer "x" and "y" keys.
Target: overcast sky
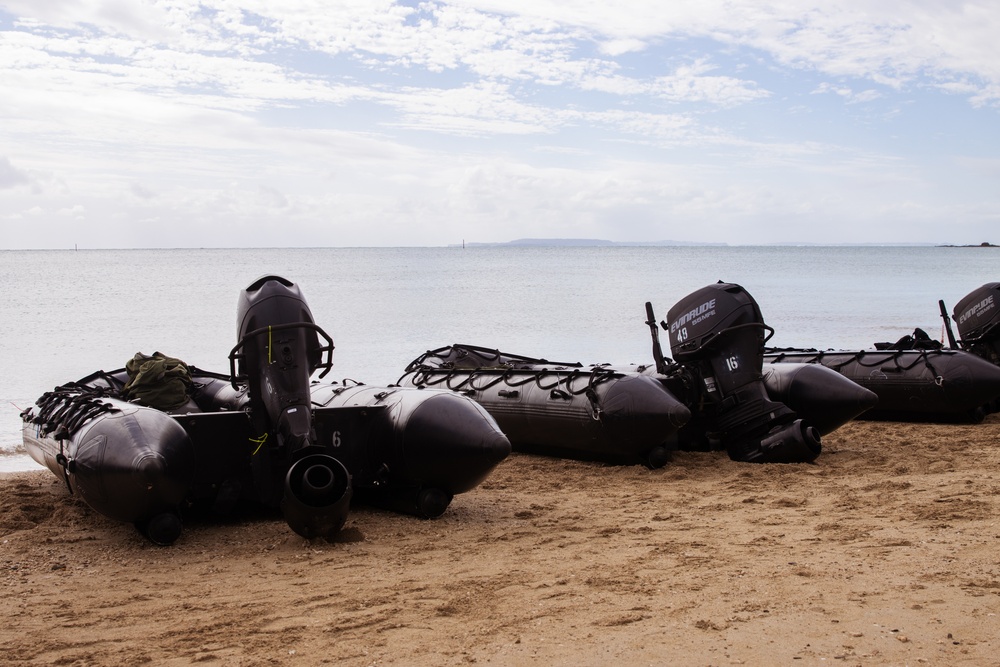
{"x": 225, "y": 123}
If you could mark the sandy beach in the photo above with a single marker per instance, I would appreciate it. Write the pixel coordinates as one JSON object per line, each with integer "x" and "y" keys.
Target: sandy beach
{"x": 883, "y": 552}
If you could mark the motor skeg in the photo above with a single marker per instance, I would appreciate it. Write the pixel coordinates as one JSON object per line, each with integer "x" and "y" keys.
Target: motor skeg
{"x": 717, "y": 334}
{"x": 977, "y": 316}
{"x": 279, "y": 349}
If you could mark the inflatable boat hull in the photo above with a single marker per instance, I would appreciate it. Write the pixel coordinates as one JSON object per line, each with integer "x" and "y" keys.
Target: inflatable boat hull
{"x": 912, "y": 385}
{"x": 562, "y": 410}
{"x": 821, "y": 396}
{"x": 411, "y": 450}
{"x": 131, "y": 463}
{"x": 402, "y": 448}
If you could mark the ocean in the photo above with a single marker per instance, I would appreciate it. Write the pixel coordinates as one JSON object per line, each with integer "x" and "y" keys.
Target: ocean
{"x": 67, "y": 313}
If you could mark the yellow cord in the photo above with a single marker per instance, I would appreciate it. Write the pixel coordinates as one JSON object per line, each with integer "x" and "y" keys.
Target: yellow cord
{"x": 268, "y": 343}
{"x": 260, "y": 443}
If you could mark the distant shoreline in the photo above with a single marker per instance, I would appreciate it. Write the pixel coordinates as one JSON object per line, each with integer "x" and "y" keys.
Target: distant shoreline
{"x": 541, "y": 243}
{"x": 686, "y": 244}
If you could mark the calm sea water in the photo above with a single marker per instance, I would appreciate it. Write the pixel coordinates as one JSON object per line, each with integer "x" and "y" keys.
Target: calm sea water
{"x": 65, "y": 314}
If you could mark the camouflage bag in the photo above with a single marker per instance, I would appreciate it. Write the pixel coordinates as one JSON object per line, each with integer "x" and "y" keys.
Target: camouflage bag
{"x": 158, "y": 381}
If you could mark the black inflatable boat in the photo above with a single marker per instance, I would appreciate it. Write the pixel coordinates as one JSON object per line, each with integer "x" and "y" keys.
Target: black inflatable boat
{"x": 264, "y": 434}
{"x": 715, "y": 395}
{"x": 916, "y": 378}
{"x": 919, "y": 379}
{"x": 562, "y": 409}
{"x": 915, "y": 385}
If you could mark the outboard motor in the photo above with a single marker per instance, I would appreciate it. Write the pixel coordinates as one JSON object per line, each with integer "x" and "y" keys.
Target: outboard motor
{"x": 978, "y": 318}
{"x": 280, "y": 347}
{"x": 717, "y": 334}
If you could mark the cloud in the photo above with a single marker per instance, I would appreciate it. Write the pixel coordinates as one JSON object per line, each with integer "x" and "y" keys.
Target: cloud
{"x": 848, "y": 93}
{"x": 77, "y": 212}
{"x": 421, "y": 122}
{"x": 125, "y": 17}
{"x": 141, "y": 192}
{"x": 689, "y": 84}
{"x": 618, "y": 47}
{"x": 10, "y": 176}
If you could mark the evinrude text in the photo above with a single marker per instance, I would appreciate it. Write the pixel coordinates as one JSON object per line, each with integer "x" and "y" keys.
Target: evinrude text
{"x": 695, "y": 316}
{"x": 978, "y": 309}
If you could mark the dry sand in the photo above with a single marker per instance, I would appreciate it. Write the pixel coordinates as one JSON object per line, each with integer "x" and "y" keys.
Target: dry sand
{"x": 884, "y": 552}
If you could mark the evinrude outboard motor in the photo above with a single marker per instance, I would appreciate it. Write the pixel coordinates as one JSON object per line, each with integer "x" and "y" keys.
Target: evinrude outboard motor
{"x": 278, "y": 352}
{"x": 717, "y": 333}
{"x": 978, "y": 318}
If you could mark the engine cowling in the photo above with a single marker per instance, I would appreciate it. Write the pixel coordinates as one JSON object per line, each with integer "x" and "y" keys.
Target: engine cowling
{"x": 717, "y": 335}
{"x": 977, "y": 317}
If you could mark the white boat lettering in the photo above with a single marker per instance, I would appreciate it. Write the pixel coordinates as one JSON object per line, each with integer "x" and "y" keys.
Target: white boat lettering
{"x": 699, "y": 314}
{"x": 983, "y": 306}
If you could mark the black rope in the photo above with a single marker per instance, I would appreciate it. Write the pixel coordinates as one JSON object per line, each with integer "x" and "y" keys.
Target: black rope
{"x": 880, "y": 358}
{"x": 481, "y": 379}
{"x": 65, "y": 409}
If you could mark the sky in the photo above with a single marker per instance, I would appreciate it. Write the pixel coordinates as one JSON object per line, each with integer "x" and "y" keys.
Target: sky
{"x": 303, "y": 123}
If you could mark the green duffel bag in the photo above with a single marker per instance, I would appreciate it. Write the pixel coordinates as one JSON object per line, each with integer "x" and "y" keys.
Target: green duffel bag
{"x": 158, "y": 381}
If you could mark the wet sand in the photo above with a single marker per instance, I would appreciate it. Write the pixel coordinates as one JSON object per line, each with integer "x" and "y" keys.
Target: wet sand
{"x": 884, "y": 552}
